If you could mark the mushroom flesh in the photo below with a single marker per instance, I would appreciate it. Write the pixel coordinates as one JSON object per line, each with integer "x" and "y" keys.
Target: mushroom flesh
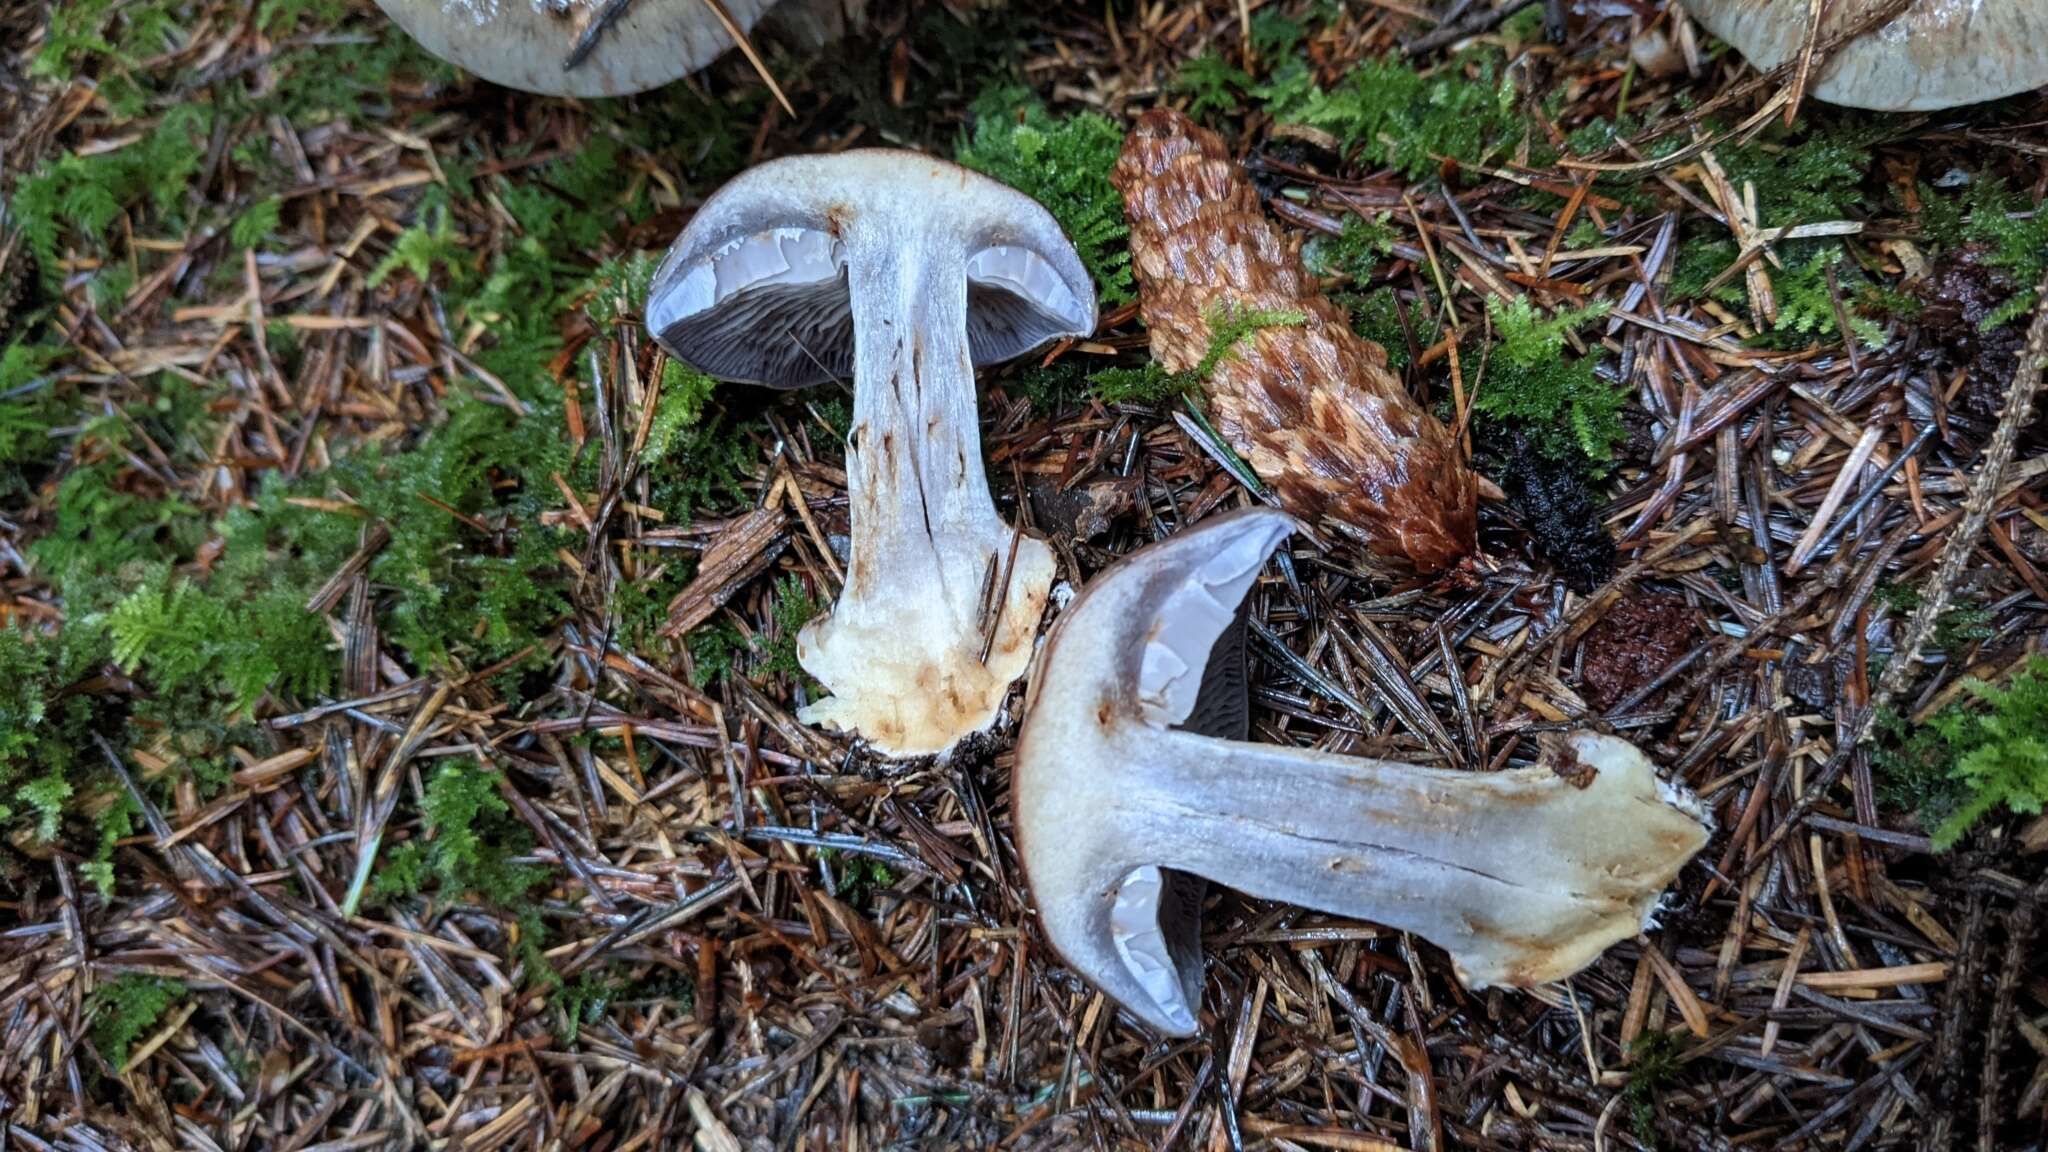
{"x": 530, "y": 44}
{"x": 1122, "y": 806}
{"x": 904, "y": 272}
{"x": 1935, "y": 54}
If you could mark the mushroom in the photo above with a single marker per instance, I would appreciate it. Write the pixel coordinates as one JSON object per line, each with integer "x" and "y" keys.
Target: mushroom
{"x": 905, "y": 272}
{"x": 528, "y": 44}
{"x": 1123, "y": 807}
{"x": 1935, "y": 54}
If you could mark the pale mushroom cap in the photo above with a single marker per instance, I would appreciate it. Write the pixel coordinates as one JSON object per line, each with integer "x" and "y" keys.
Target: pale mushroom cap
{"x": 522, "y": 43}
{"x": 1937, "y": 54}
{"x": 755, "y": 289}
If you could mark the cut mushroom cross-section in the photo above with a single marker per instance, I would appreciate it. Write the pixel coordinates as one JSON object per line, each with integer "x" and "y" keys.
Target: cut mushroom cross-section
{"x": 1935, "y": 54}
{"x": 904, "y": 272}
{"x": 1523, "y": 876}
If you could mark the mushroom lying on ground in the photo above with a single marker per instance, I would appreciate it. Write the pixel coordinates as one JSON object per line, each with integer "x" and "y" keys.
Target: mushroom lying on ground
{"x": 1935, "y": 54}
{"x": 905, "y": 272}
{"x": 1121, "y": 807}
{"x": 529, "y": 44}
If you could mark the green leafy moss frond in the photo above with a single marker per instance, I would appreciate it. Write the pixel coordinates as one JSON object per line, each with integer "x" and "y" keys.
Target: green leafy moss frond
{"x": 1531, "y": 383}
{"x": 1063, "y": 162}
{"x": 1393, "y": 115}
{"x": 1973, "y": 757}
{"x": 127, "y": 1009}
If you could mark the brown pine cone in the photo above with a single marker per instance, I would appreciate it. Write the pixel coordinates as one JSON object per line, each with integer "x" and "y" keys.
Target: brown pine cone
{"x": 1313, "y": 408}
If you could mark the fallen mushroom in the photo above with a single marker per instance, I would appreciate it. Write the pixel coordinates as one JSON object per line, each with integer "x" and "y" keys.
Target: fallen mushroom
{"x": 1312, "y": 407}
{"x": 1935, "y": 54}
{"x": 550, "y": 46}
{"x": 905, "y": 272}
{"x": 1120, "y": 810}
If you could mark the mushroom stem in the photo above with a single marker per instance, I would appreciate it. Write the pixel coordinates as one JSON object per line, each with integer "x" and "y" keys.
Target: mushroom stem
{"x": 1523, "y": 876}
{"x": 932, "y": 582}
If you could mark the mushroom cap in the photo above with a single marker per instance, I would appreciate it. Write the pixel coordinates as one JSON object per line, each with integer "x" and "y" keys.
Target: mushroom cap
{"x": 523, "y": 43}
{"x": 1936, "y": 54}
{"x": 755, "y": 289}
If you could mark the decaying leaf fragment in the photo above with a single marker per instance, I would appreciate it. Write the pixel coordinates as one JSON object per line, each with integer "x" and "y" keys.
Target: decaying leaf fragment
{"x": 1312, "y": 407}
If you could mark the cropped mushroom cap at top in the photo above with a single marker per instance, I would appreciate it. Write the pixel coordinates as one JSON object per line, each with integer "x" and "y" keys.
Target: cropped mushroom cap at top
{"x": 523, "y": 44}
{"x": 756, "y": 289}
{"x": 1936, "y": 54}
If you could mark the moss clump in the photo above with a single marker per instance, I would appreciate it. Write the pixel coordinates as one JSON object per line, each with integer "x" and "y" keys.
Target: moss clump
{"x": 1063, "y": 162}
{"x": 74, "y": 201}
{"x": 472, "y": 840}
{"x": 1532, "y": 386}
{"x": 2012, "y": 233}
{"x": 1211, "y": 85}
{"x": 1810, "y": 172}
{"x": 1975, "y": 755}
{"x": 1356, "y": 251}
{"x": 1389, "y": 114}
{"x": 126, "y": 1009}
{"x": 1653, "y": 1061}
{"x": 1153, "y": 384}
{"x": 794, "y": 608}
{"x": 1960, "y": 625}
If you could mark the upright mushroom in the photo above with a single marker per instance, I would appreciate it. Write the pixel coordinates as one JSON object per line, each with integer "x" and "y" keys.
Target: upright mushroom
{"x": 1935, "y": 54}
{"x": 1523, "y": 876}
{"x": 529, "y": 44}
{"x": 905, "y": 272}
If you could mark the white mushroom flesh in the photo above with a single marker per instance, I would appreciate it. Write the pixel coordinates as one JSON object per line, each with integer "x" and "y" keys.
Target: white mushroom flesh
{"x": 1522, "y": 876}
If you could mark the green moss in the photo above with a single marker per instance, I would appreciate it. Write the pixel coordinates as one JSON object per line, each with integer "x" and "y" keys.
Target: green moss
{"x": 472, "y": 839}
{"x": 856, "y": 878}
{"x": 1357, "y": 251}
{"x": 1153, "y": 384}
{"x": 30, "y": 414}
{"x": 1805, "y": 303}
{"x": 75, "y": 200}
{"x": 1064, "y": 163}
{"x": 428, "y": 247}
{"x": 126, "y": 1009}
{"x": 1985, "y": 751}
{"x": 316, "y": 83}
{"x": 2012, "y": 231}
{"x": 1811, "y": 172}
{"x": 1534, "y": 386}
{"x": 794, "y": 608}
{"x": 715, "y": 651}
{"x": 1376, "y": 315}
{"x": 1652, "y": 1062}
{"x": 618, "y": 289}
{"x": 116, "y": 823}
{"x": 1211, "y": 85}
{"x": 257, "y": 223}
{"x": 582, "y": 1002}
{"x": 1960, "y": 625}
{"x": 1390, "y": 114}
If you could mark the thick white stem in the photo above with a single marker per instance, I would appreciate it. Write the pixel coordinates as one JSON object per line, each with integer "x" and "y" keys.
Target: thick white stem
{"x": 902, "y": 651}
{"x": 1523, "y": 876}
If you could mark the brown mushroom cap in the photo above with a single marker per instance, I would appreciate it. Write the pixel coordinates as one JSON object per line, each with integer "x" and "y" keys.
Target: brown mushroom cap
{"x": 523, "y": 43}
{"x": 1937, "y": 54}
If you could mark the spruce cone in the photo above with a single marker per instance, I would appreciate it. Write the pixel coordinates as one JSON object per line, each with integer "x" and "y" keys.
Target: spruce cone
{"x": 1313, "y": 408}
